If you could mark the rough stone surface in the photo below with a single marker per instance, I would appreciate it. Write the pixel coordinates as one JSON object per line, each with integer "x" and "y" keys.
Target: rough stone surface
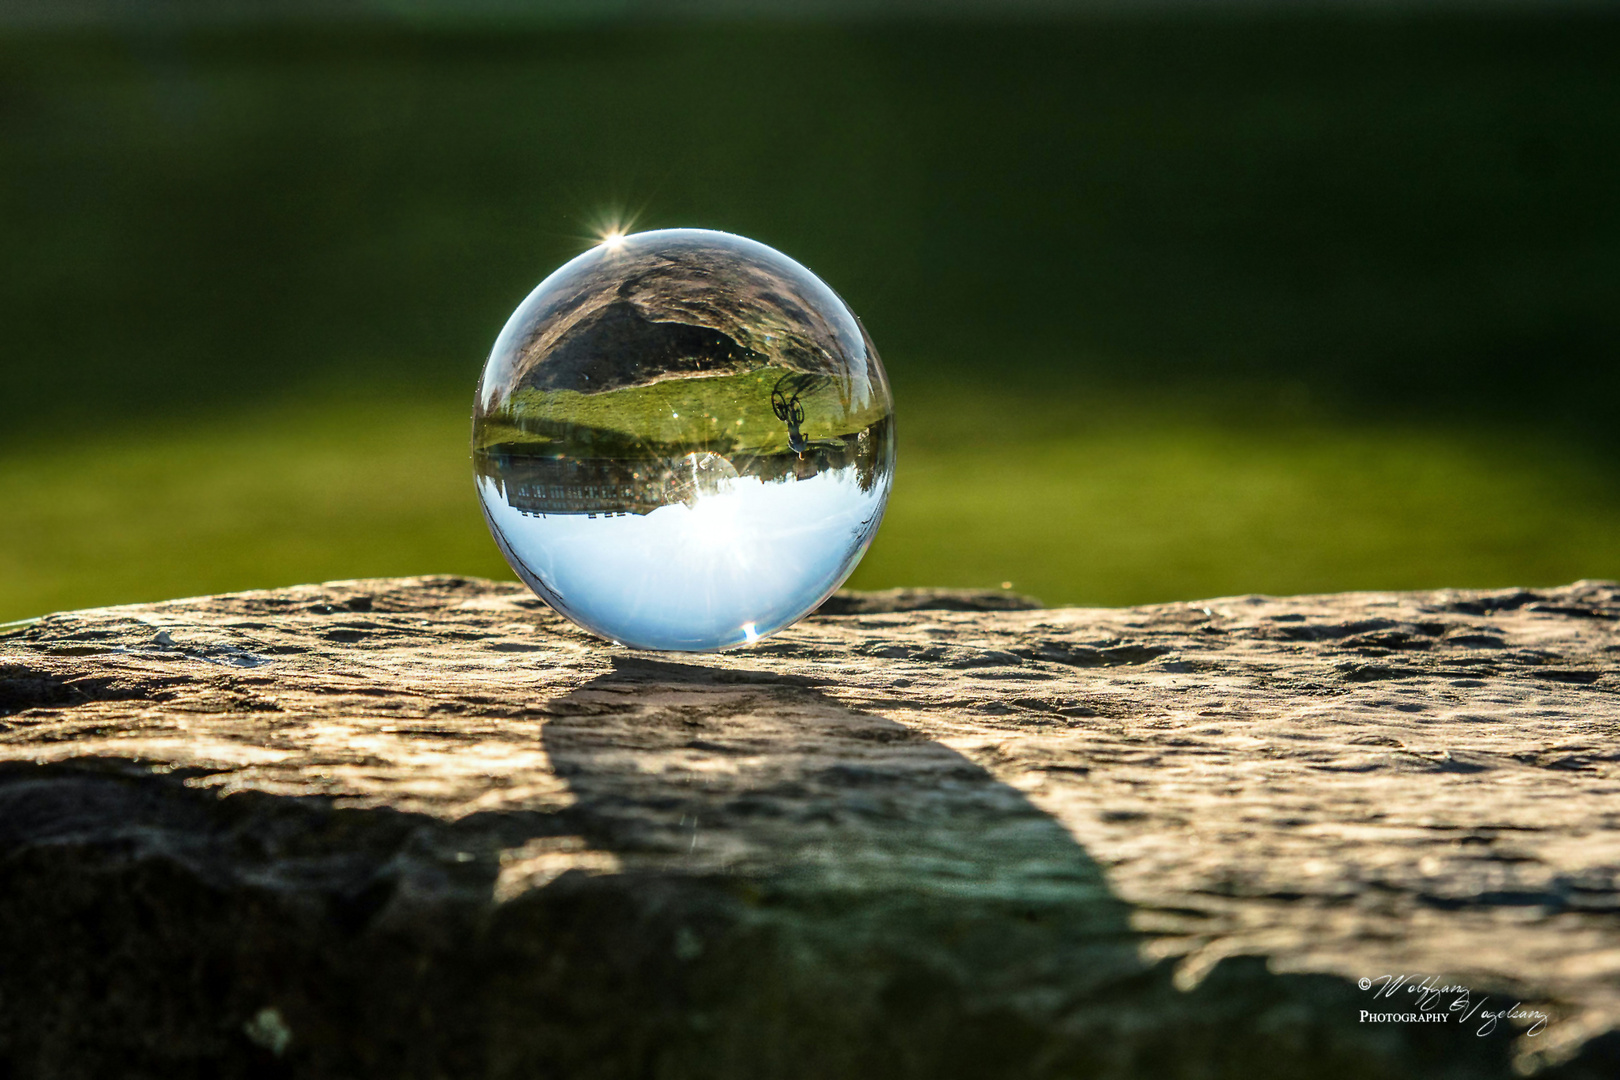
{"x": 425, "y": 828}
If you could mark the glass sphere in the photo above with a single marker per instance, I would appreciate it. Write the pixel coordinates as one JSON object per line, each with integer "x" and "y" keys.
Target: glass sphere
{"x": 683, "y": 440}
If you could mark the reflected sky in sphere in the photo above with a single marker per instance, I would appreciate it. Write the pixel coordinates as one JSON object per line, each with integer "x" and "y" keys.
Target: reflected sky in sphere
{"x": 683, "y": 440}
{"x": 733, "y": 566}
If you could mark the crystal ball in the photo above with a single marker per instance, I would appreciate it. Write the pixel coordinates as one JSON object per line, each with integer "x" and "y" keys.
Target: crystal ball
{"x": 683, "y": 440}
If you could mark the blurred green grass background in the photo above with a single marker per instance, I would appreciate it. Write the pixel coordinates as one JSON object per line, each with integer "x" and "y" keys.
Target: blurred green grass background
{"x": 1174, "y": 305}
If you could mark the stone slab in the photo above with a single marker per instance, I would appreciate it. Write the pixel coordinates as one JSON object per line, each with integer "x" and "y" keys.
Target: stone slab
{"x": 424, "y": 827}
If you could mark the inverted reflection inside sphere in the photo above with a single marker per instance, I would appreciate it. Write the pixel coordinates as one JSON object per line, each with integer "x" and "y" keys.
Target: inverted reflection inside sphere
{"x": 683, "y": 440}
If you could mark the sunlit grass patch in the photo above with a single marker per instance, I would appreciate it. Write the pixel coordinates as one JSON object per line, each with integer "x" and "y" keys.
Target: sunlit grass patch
{"x": 1074, "y": 500}
{"x": 262, "y": 500}
{"x": 1168, "y": 512}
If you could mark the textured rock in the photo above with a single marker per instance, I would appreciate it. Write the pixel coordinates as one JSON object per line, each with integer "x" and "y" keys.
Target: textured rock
{"x": 423, "y": 827}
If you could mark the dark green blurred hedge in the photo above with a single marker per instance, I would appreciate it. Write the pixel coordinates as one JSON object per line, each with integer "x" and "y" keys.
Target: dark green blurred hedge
{"x": 1411, "y": 215}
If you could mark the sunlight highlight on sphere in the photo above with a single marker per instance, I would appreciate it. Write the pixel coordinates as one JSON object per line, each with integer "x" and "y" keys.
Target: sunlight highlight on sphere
{"x": 683, "y": 440}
